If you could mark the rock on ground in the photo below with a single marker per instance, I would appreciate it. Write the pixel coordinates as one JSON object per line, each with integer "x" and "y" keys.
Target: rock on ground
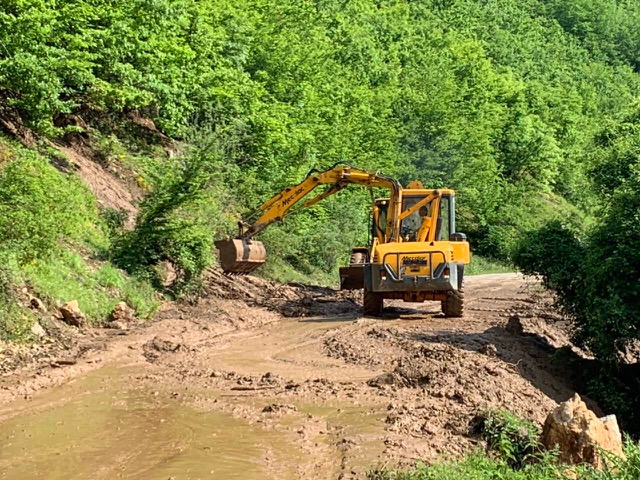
{"x": 580, "y": 435}
{"x": 72, "y": 314}
{"x": 122, "y": 313}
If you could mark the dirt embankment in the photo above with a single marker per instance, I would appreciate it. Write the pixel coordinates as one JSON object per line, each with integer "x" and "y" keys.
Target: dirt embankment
{"x": 338, "y": 392}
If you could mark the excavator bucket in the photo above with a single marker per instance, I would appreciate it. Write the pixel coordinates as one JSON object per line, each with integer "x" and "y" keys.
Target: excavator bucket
{"x": 241, "y": 255}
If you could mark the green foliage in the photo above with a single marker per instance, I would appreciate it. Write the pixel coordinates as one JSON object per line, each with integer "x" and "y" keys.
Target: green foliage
{"x": 175, "y": 223}
{"x": 474, "y": 467}
{"x": 509, "y": 435}
{"x": 66, "y": 276}
{"x": 555, "y": 253}
{"x": 15, "y": 322}
{"x": 627, "y": 469}
{"x": 39, "y": 207}
{"x": 595, "y": 273}
{"x": 612, "y": 303}
{"x": 597, "y": 278}
{"x": 499, "y": 101}
{"x": 522, "y": 106}
{"x": 515, "y": 440}
{"x": 114, "y": 220}
{"x": 52, "y": 238}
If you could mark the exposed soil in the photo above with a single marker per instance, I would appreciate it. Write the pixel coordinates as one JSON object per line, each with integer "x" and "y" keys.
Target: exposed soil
{"x": 285, "y": 382}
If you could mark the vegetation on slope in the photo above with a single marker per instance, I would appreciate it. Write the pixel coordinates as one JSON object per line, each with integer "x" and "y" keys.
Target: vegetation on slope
{"x": 500, "y": 100}
{"x": 54, "y": 243}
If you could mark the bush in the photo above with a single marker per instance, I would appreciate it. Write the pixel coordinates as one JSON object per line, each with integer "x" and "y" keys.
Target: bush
{"x": 39, "y": 206}
{"x": 612, "y": 276}
{"x": 596, "y": 279}
{"x": 555, "y": 253}
{"x": 177, "y": 223}
{"x": 513, "y": 439}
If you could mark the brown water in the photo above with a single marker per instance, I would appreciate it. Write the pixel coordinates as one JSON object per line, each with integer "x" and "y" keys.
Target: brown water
{"x": 99, "y": 427}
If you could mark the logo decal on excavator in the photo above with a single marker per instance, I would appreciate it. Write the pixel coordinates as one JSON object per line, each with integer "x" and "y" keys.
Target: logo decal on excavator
{"x": 417, "y": 261}
{"x": 287, "y": 201}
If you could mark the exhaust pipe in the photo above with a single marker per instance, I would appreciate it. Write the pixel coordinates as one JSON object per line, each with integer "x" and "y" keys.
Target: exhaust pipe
{"x": 240, "y": 255}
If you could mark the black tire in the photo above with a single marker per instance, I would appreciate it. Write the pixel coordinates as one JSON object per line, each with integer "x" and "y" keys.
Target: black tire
{"x": 357, "y": 258}
{"x": 453, "y": 306}
{"x": 373, "y": 304}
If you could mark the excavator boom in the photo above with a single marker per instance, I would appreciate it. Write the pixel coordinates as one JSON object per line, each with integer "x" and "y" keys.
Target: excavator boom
{"x": 243, "y": 254}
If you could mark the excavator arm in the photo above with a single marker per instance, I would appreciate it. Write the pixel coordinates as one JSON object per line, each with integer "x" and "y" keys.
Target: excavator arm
{"x": 243, "y": 255}
{"x": 277, "y": 207}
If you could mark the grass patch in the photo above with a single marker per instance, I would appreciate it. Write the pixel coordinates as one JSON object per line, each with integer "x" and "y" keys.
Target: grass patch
{"x": 66, "y": 276}
{"x": 15, "y": 321}
{"x": 280, "y": 271}
{"x": 514, "y": 453}
{"x": 481, "y": 266}
{"x": 483, "y": 466}
{"x": 477, "y": 466}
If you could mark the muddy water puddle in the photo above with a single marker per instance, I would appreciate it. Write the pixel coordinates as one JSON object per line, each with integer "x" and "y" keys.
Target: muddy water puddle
{"x": 109, "y": 424}
{"x": 99, "y": 427}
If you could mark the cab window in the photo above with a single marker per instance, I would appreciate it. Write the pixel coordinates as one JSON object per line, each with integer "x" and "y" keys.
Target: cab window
{"x": 444, "y": 222}
{"x": 412, "y": 223}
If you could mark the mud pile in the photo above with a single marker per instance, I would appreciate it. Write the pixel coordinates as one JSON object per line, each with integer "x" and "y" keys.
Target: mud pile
{"x": 290, "y": 300}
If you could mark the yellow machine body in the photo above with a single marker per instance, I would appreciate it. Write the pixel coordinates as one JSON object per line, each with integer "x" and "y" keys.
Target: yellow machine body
{"x": 415, "y": 253}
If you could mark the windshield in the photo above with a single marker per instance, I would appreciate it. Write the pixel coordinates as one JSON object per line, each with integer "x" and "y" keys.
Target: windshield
{"x": 410, "y": 225}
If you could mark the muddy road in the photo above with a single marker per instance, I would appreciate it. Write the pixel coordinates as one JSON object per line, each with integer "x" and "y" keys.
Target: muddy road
{"x": 262, "y": 381}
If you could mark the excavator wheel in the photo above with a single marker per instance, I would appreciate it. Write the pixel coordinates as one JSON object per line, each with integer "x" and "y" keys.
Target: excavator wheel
{"x": 373, "y": 304}
{"x": 453, "y": 306}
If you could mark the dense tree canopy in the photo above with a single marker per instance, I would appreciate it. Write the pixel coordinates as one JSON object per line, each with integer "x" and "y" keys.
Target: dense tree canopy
{"x": 526, "y": 107}
{"x": 499, "y": 99}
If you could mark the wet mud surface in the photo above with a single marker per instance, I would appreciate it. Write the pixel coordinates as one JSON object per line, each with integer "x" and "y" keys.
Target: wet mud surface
{"x": 258, "y": 380}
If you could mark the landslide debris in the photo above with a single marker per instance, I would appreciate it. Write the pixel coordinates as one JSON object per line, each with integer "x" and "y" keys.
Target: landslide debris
{"x": 290, "y": 300}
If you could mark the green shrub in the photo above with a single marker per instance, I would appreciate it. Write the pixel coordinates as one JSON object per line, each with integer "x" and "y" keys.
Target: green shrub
{"x": 114, "y": 220}
{"x": 515, "y": 440}
{"x": 556, "y": 254}
{"x": 39, "y": 206}
{"x": 177, "y": 223}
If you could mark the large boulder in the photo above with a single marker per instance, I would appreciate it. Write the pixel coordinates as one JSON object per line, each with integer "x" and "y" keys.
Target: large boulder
{"x": 72, "y": 314}
{"x": 122, "y": 313}
{"x": 580, "y": 435}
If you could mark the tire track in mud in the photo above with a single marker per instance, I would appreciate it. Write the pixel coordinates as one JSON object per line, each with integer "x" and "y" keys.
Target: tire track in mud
{"x": 342, "y": 393}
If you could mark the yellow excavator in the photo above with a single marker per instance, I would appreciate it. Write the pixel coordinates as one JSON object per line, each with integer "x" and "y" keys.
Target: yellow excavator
{"x": 415, "y": 253}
